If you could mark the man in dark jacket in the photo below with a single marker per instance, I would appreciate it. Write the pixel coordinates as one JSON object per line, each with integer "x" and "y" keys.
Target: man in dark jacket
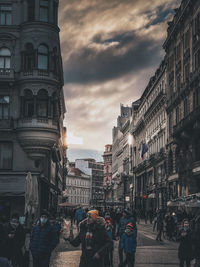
{"x": 43, "y": 241}
{"x": 196, "y": 242}
{"x": 15, "y": 241}
{"x": 94, "y": 240}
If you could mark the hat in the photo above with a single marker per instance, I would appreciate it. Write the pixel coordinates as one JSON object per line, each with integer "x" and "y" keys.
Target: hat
{"x": 93, "y": 214}
{"x": 45, "y": 213}
{"x": 129, "y": 226}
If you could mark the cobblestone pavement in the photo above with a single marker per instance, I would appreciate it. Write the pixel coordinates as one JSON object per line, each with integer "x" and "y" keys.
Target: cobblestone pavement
{"x": 149, "y": 253}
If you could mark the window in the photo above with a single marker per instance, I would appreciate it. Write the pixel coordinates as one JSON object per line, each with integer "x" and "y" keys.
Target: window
{"x": 28, "y": 104}
{"x": 187, "y": 71}
{"x": 170, "y": 123}
{"x": 29, "y": 57}
{"x": 178, "y": 51}
{"x": 43, "y": 60}
{"x": 44, "y": 10}
{"x": 185, "y": 107}
{"x": 5, "y": 15}
{"x": 31, "y": 10}
{"x": 6, "y": 154}
{"x": 196, "y": 100}
{"x": 42, "y": 103}
{"x": 197, "y": 60}
{"x": 178, "y": 82}
{"x": 4, "y": 107}
{"x": 5, "y": 56}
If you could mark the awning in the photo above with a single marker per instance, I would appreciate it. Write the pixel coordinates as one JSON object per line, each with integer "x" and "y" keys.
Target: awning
{"x": 12, "y": 185}
{"x": 69, "y": 205}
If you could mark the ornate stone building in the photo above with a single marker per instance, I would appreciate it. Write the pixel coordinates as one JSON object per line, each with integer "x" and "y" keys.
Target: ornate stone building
{"x": 107, "y": 181}
{"x": 182, "y": 48}
{"x": 148, "y": 127}
{"x": 78, "y": 185}
{"x": 120, "y": 157}
{"x": 32, "y": 107}
{"x": 95, "y": 170}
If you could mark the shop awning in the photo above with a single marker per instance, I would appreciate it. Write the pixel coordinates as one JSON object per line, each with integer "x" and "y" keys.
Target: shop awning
{"x": 12, "y": 185}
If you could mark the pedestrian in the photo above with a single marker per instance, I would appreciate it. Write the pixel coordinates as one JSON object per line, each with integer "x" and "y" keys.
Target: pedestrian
{"x": 196, "y": 242}
{"x": 43, "y": 241}
{"x": 154, "y": 222}
{"x": 125, "y": 219}
{"x": 109, "y": 230}
{"x": 94, "y": 240}
{"x": 160, "y": 226}
{"x": 79, "y": 216}
{"x": 129, "y": 244}
{"x": 15, "y": 241}
{"x": 185, "y": 252}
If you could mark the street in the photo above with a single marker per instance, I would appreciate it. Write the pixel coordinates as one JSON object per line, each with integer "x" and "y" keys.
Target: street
{"x": 149, "y": 251}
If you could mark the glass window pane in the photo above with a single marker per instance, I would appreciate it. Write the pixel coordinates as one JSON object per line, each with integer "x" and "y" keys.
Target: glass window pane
{"x": 5, "y": 52}
{"x": 8, "y": 19}
{"x": 1, "y": 112}
{"x": 44, "y": 3}
{"x": 44, "y": 14}
{"x": 5, "y": 155}
{"x": 6, "y": 99}
{"x": 7, "y": 62}
{"x": 6, "y": 8}
{"x": 2, "y": 18}
{"x": 43, "y": 49}
{"x": 1, "y": 62}
{"x": 42, "y": 108}
{"x": 42, "y": 62}
{"x": 5, "y": 112}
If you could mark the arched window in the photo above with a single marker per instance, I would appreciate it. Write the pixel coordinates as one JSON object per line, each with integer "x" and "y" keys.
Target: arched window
{"x": 29, "y": 57}
{"x": 44, "y": 10}
{"x": 28, "y": 104}
{"x": 43, "y": 57}
{"x": 42, "y": 103}
{"x": 5, "y": 56}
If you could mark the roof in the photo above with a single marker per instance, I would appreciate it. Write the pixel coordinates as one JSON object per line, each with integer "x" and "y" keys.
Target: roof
{"x": 77, "y": 172}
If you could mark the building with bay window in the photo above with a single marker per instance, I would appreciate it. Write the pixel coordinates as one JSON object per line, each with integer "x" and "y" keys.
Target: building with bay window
{"x": 32, "y": 106}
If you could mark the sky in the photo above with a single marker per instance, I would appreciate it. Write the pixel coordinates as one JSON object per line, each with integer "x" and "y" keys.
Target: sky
{"x": 110, "y": 49}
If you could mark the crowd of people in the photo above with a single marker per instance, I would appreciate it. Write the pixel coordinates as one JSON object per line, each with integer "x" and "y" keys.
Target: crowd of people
{"x": 97, "y": 230}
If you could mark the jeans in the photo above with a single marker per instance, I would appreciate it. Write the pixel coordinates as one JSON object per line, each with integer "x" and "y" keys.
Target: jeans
{"x": 130, "y": 260}
{"x": 120, "y": 251}
{"x": 185, "y": 260}
{"x": 41, "y": 261}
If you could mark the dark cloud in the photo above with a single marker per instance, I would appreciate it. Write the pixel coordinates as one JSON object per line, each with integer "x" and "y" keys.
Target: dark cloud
{"x": 89, "y": 64}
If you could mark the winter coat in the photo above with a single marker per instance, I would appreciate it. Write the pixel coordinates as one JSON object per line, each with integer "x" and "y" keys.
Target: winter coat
{"x": 14, "y": 245}
{"x": 43, "y": 240}
{"x": 79, "y": 215}
{"x": 4, "y": 262}
{"x": 185, "y": 250}
{"x": 99, "y": 243}
{"x": 129, "y": 242}
{"x": 3, "y": 241}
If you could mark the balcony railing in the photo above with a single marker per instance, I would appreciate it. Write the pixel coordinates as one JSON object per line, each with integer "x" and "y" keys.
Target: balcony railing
{"x": 6, "y": 73}
{"x": 38, "y": 73}
{"x": 37, "y": 123}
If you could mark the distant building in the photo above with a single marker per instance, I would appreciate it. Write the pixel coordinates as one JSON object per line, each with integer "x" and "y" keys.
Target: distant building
{"x": 32, "y": 107}
{"x": 107, "y": 183}
{"x": 78, "y": 185}
{"x": 95, "y": 170}
{"x": 120, "y": 156}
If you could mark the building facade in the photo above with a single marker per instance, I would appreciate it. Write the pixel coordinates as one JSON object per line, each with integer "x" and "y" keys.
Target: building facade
{"x": 95, "y": 170}
{"x": 148, "y": 127}
{"x": 107, "y": 181}
{"x": 182, "y": 48}
{"x": 120, "y": 157}
{"x": 32, "y": 107}
{"x": 78, "y": 185}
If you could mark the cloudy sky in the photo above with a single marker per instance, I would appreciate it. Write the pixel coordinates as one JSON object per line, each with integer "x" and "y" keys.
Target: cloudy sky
{"x": 110, "y": 49}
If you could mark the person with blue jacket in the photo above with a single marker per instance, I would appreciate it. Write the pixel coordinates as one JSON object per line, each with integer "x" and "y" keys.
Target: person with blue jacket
{"x": 129, "y": 244}
{"x": 79, "y": 216}
{"x": 43, "y": 241}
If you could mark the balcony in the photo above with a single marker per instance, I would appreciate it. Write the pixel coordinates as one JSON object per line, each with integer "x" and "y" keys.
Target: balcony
{"x": 6, "y": 74}
{"x": 37, "y": 136}
{"x": 39, "y": 74}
